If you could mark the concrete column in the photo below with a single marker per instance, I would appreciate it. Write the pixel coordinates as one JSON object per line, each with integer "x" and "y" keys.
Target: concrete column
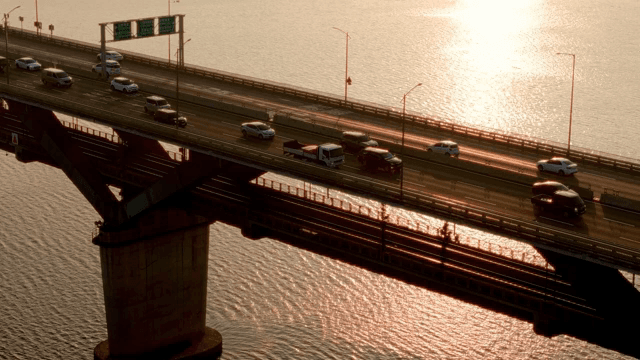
{"x": 154, "y": 276}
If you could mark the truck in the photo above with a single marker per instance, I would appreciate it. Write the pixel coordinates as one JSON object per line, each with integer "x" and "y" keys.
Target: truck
{"x": 329, "y": 154}
{"x": 565, "y": 202}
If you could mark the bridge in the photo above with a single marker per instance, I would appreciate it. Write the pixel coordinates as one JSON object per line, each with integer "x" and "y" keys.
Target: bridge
{"x": 488, "y": 187}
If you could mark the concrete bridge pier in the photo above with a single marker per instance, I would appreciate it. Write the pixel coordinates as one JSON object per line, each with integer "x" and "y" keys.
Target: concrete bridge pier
{"x": 154, "y": 274}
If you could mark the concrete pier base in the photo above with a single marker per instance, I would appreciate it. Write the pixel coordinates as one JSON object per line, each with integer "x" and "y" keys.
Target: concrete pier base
{"x": 207, "y": 347}
{"x": 154, "y": 275}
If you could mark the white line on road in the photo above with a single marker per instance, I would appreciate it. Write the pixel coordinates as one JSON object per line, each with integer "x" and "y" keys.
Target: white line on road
{"x": 485, "y": 202}
{"x": 475, "y": 186}
{"x": 624, "y": 238}
{"x": 619, "y": 222}
{"x": 600, "y": 176}
{"x": 414, "y": 184}
{"x": 561, "y": 222}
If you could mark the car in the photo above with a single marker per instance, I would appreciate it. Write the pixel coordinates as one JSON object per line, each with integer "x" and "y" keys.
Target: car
{"x": 154, "y": 103}
{"x": 558, "y": 165}
{"x": 169, "y": 116}
{"x": 111, "y": 55}
{"x": 57, "y": 77}
{"x": 548, "y": 187}
{"x": 4, "y": 63}
{"x": 123, "y": 84}
{"x": 446, "y": 147}
{"x": 567, "y": 203}
{"x": 113, "y": 67}
{"x": 28, "y": 63}
{"x": 258, "y": 129}
{"x": 375, "y": 158}
{"x": 356, "y": 141}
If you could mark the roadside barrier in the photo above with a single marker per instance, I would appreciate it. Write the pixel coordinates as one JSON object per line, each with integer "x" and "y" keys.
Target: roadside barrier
{"x": 516, "y": 141}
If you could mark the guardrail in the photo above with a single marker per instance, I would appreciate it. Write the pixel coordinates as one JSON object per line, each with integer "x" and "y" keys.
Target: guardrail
{"x": 536, "y": 145}
{"x": 402, "y": 222}
{"x": 564, "y": 242}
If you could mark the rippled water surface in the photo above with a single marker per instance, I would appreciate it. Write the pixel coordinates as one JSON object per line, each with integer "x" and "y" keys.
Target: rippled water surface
{"x": 486, "y": 63}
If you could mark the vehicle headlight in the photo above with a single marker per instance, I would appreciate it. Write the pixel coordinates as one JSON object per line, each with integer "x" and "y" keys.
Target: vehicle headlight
{"x": 575, "y": 209}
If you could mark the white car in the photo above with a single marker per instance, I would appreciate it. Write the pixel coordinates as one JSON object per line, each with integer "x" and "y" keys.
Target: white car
{"x": 123, "y": 84}
{"x": 446, "y": 147}
{"x": 558, "y": 165}
{"x": 28, "y": 64}
{"x": 113, "y": 67}
{"x": 258, "y": 129}
{"x": 111, "y": 55}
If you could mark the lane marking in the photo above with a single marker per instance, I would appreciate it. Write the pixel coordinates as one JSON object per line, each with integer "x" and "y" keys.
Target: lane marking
{"x": 485, "y": 202}
{"x": 562, "y": 222}
{"x": 414, "y": 184}
{"x": 600, "y": 176}
{"x": 475, "y": 186}
{"x": 624, "y": 238}
{"x": 619, "y": 222}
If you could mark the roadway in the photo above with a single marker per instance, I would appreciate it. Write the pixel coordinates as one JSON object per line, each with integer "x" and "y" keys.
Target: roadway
{"x": 451, "y": 183}
{"x": 596, "y": 178}
{"x": 357, "y": 229}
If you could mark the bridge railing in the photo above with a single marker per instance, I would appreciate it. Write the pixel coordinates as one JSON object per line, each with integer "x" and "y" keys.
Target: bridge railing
{"x": 401, "y": 222}
{"x": 511, "y": 140}
{"x": 556, "y": 240}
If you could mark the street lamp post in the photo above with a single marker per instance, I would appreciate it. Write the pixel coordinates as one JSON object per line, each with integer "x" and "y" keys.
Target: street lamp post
{"x": 37, "y": 22}
{"x": 179, "y": 55}
{"x": 573, "y": 72}
{"x": 347, "y": 80}
{"x": 404, "y": 107}
{"x": 6, "y": 38}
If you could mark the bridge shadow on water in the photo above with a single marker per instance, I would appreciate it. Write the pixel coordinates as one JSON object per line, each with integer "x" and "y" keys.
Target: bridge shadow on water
{"x": 614, "y": 299}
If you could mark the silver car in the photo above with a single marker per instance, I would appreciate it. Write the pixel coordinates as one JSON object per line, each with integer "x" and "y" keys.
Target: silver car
{"x": 123, "y": 84}
{"x": 28, "y": 63}
{"x": 154, "y": 103}
{"x": 446, "y": 147}
{"x": 258, "y": 129}
{"x": 111, "y": 55}
{"x": 113, "y": 67}
{"x": 558, "y": 165}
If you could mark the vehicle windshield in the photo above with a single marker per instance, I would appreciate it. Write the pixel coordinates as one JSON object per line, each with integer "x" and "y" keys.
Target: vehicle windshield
{"x": 336, "y": 152}
{"x": 162, "y": 102}
{"x": 454, "y": 146}
{"x": 387, "y": 155}
{"x": 62, "y": 75}
{"x": 263, "y": 127}
{"x": 29, "y": 61}
{"x": 363, "y": 138}
{"x": 126, "y": 82}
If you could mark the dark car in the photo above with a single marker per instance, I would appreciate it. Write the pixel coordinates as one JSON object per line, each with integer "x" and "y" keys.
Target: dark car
{"x": 375, "y": 158}
{"x": 4, "y": 63}
{"x": 355, "y": 141}
{"x": 548, "y": 187}
{"x": 567, "y": 203}
{"x": 169, "y": 116}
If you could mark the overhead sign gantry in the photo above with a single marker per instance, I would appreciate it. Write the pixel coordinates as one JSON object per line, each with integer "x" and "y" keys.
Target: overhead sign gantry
{"x": 143, "y": 28}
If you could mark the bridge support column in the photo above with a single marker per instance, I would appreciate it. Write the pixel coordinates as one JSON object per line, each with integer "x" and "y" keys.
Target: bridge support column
{"x": 154, "y": 276}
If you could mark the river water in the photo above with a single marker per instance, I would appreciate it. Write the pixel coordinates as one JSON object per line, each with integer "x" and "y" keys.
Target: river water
{"x": 488, "y": 63}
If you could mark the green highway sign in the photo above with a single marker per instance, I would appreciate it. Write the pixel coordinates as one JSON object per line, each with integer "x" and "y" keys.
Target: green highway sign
{"x": 121, "y": 31}
{"x": 145, "y": 27}
{"x": 166, "y": 25}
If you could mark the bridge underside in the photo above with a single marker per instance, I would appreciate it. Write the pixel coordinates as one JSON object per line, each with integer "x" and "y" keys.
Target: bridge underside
{"x": 155, "y": 237}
